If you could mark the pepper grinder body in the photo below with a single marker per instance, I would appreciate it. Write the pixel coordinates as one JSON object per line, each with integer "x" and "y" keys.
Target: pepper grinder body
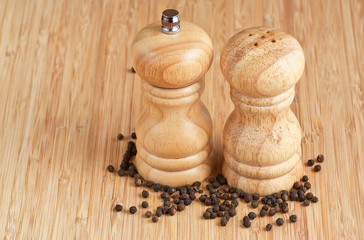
{"x": 262, "y": 136}
{"x": 174, "y": 128}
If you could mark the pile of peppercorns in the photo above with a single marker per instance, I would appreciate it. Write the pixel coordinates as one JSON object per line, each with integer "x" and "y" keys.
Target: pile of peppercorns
{"x": 221, "y": 199}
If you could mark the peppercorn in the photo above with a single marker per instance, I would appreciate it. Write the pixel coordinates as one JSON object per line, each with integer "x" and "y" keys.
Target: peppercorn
{"x": 234, "y": 203}
{"x": 310, "y": 162}
{"x": 226, "y": 203}
{"x": 137, "y": 181}
{"x": 202, "y": 198}
{"x": 215, "y": 185}
{"x": 226, "y": 188}
{"x": 118, "y": 207}
{"x": 187, "y": 201}
{"x": 252, "y": 215}
{"x": 306, "y": 203}
{"x": 211, "y": 180}
{"x": 172, "y": 211}
{"x": 234, "y": 196}
{"x": 305, "y": 178}
{"x": 255, "y": 203}
{"x": 221, "y": 179}
{"x": 232, "y": 212}
{"x": 163, "y": 195}
{"x": 297, "y": 185}
{"x": 120, "y": 136}
{"x": 227, "y": 216}
{"x": 247, "y": 224}
{"x": 268, "y": 227}
{"x": 272, "y": 212}
{"x": 317, "y": 168}
{"x": 208, "y": 201}
{"x": 314, "y": 199}
{"x": 171, "y": 191}
{"x": 284, "y": 197}
{"x": 256, "y": 196}
{"x": 110, "y": 168}
{"x": 265, "y": 207}
{"x": 320, "y": 158}
{"x": 132, "y": 209}
{"x": 248, "y": 198}
{"x": 293, "y": 218}
{"x": 307, "y": 185}
{"x": 223, "y": 221}
{"x": 159, "y": 211}
{"x": 293, "y": 196}
{"x": 309, "y": 196}
{"x": 181, "y": 207}
{"x": 155, "y": 219}
{"x": 280, "y": 221}
{"x": 133, "y": 135}
{"x": 222, "y": 207}
{"x": 213, "y": 215}
{"x": 246, "y": 219}
{"x": 207, "y": 215}
{"x": 220, "y": 214}
{"x": 167, "y": 203}
{"x": 133, "y": 70}
{"x": 149, "y": 184}
{"x": 157, "y": 187}
{"x": 232, "y": 189}
{"x": 148, "y": 214}
{"x": 145, "y": 204}
{"x": 263, "y": 213}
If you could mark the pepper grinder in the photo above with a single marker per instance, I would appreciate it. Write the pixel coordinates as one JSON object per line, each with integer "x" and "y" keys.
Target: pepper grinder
{"x": 262, "y": 136}
{"x": 174, "y": 128}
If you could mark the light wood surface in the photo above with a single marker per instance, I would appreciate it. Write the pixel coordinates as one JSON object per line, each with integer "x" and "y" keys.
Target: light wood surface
{"x": 66, "y": 90}
{"x": 262, "y": 137}
{"x": 174, "y": 128}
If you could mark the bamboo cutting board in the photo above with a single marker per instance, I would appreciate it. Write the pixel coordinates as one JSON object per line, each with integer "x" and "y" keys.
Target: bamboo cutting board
{"x": 66, "y": 91}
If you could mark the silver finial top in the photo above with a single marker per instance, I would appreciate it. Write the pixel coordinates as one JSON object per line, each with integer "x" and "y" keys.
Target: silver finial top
{"x": 170, "y": 21}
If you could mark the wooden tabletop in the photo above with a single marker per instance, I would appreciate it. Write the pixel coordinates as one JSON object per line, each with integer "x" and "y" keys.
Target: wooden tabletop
{"x": 66, "y": 91}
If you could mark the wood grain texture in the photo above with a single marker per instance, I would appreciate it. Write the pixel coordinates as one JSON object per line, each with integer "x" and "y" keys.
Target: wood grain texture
{"x": 262, "y": 137}
{"x": 66, "y": 91}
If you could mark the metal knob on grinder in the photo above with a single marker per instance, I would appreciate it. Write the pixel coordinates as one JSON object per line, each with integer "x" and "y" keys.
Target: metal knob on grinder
{"x": 170, "y": 21}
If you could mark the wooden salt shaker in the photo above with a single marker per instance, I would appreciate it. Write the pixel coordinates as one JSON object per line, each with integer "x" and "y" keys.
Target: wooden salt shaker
{"x": 174, "y": 128}
{"x": 262, "y": 137}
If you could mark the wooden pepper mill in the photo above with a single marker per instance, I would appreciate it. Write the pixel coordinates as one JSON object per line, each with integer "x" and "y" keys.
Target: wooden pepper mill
{"x": 262, "y": 137}
{"x": 174, "y": 128}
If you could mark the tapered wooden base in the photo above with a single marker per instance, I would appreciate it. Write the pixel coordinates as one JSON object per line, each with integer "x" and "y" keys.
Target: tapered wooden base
{"x": 174, "y": 172}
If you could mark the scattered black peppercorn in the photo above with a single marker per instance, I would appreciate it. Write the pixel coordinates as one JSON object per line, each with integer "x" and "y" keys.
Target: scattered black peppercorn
{"x": 110, "y": 168}
{"x": 157, "y": 187}
{"x": 120, "y": 136}
{"x": 272, "y": 212}
{"x": 307, "y": 185}
{"x": 263, "y": 213}
{"x": 133, "y": 135}
{"x": 159, "y": 211}
{"x": 252, "y": 215}
{"x": 309, "y": 196}
{"x": 256, "y": 196}
{"x": 305, "y": 178}
{"x": 172, "y": 211}
{"x": 280, "y": 221}
{"x": 118, "y": 207}
{"x": 132, "y": 209}
{"x": 306, "y": 203}
{"x": 310, "y": 162}
{"x": 255, "y": 203}
{"x": 163, "y": 195}
{"x": 248, "y": 198}
{"x": 145, "y": 204}
{"x": 247, "y": 224}
{"x": 133, "y": 70}
{"x": 148, "y": 214}
{"x": 223, "y": 221}
{"x": 268, "y": 227}
{"x": 246, "y": 219}
{"x": 320, "y": 158}
{"x": 121, "y": 172}
{"x": 297, "y": 185}
{"x": 293, "y": 218}
{"x": 314, "y": 199}
{"x": 317, "y": 168}
{"x": 207, "y": 215}
{"x": 181, "y": 207}
{"x": 149, "y": 184}
{"x": 145, "y": 194}
{"x": 155, "y": 219}
{"x": 265, "y": 207}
